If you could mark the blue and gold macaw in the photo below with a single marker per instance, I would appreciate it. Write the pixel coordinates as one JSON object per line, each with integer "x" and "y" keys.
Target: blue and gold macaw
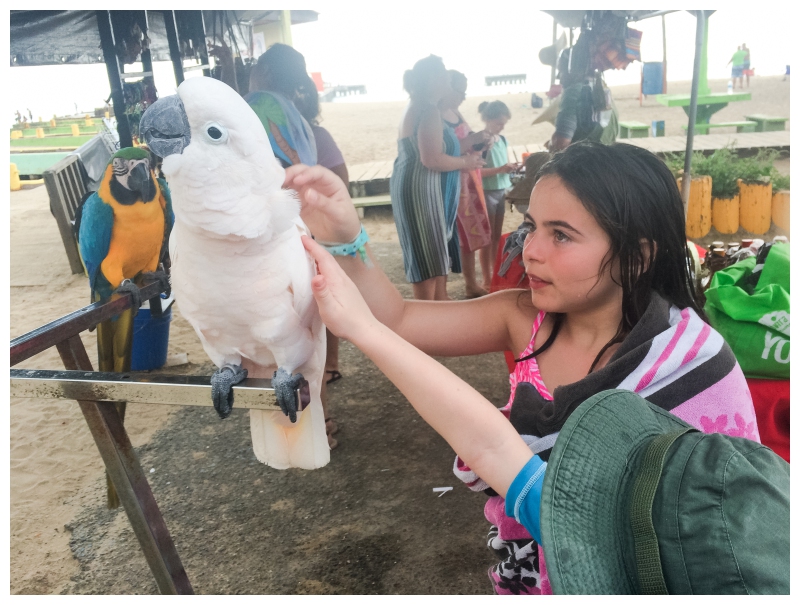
{"x": 123, "y": 235}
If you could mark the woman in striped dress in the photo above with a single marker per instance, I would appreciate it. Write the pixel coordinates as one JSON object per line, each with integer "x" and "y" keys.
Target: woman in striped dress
{"x": 425, "y": 182}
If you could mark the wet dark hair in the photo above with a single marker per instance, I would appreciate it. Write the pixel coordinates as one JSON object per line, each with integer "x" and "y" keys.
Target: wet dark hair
{"x": 282, "y": 69}
{"x": 633, "y": 197}
{"x": 494, "y": 110}
{"x": 418, "y": 80}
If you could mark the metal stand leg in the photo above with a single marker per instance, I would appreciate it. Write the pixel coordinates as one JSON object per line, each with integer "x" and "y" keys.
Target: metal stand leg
{"x": 129, "y": 480}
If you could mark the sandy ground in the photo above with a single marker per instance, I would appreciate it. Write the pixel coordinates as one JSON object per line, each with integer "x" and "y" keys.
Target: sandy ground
{"x": 368, "y": 523}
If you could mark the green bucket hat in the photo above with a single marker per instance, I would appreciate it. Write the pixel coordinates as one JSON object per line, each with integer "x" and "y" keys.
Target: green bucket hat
{"x": 636, "y": 501}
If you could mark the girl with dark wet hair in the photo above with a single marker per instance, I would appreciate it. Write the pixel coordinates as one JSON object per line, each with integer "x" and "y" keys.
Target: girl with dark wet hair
{"x": 611, "y": 304}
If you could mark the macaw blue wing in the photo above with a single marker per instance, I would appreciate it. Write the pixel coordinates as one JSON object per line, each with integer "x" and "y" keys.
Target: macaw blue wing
{"x": 94, "y": 240}
{"x": 289, "y": 134}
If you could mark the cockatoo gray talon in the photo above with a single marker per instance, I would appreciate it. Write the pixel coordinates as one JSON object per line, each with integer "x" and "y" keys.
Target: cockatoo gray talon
{"x": 127, "y": 286}
{"x": 222, "y": 382}
{"x": 285, "y": 386}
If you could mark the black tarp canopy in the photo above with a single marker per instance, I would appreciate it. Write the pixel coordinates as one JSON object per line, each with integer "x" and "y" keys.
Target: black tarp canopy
{"x": 122, "y": 37}
{"x": 53, "y": 37}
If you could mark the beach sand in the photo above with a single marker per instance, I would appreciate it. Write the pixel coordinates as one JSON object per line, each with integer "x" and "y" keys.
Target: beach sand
{"x": 367, "y": 523}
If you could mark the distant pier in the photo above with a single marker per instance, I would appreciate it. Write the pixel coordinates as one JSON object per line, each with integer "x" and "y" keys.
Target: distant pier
{"x": 507, "y": 79}
{"x": 342, "y": 91}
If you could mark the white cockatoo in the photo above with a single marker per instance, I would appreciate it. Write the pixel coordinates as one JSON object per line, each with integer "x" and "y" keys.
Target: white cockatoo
{"x": 240, "y": 274}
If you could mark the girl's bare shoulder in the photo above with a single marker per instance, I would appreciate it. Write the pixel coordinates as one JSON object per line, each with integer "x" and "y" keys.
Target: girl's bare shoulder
{"x": 516, "y": 304}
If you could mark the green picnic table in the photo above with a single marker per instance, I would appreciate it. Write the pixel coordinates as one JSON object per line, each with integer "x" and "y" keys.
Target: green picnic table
{"x": 707, "y": 104}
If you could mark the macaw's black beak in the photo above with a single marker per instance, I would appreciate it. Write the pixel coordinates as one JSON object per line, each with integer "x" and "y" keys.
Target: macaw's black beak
{"x": 165, "y": 127}
{"x": 141, "y": 181}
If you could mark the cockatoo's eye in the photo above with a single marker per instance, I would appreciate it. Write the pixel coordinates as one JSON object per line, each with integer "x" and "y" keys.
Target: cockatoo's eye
{"x": 216, "y": 133}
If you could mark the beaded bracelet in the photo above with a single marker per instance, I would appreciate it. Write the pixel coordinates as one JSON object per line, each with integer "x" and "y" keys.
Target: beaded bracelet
{"x": 357, "y": 245}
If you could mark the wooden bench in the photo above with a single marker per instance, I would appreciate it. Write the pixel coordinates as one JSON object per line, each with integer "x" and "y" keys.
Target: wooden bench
{"x": 66, "y": 184}
{"x": 367, "y": 202}
{"x": 633, "y": 130}
{"x": 766, "y": 123}
{"x": 744, "y": 126}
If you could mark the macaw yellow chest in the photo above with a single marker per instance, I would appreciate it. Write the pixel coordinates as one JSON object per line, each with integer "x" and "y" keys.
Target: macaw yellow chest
{"x": 136, "y": 239}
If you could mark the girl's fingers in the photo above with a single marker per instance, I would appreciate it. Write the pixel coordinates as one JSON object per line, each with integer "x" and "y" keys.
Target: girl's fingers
{"x": 292, "y": 172}
{"x": 324, "y": 259}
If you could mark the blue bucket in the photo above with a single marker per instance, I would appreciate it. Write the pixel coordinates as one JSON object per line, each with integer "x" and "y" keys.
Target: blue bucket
{"x": 150, "y": 340}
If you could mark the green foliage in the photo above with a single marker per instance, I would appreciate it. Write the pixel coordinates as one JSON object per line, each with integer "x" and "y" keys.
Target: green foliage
{"x": 724, "y": 166}
{"x": 779, "y": 181}
{"x": 674, "y": 162}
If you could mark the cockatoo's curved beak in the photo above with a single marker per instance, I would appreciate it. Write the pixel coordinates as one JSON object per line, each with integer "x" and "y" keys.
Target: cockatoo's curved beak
{"x": 165, "y": 127}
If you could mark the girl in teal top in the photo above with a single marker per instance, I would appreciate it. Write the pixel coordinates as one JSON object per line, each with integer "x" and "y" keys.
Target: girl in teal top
{"x": 495, "y": 173}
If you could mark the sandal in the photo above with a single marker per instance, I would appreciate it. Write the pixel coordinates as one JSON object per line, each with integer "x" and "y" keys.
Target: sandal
{"x": 335, "y": 375}
{"x": 331, "y": 427}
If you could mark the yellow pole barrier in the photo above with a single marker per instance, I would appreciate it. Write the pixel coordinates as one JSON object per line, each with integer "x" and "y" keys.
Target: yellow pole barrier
{"x": 780, "y": 209}
{"x": 76, "y": 131}
{"x": 698, "y": 213}
{"x": 755, "y": 206}
{"x": 16, "y": 185}
{"x": 725, "y": 214}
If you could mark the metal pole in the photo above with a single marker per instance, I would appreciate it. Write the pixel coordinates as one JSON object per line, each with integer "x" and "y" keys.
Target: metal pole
{"x": 147, "y": 60}
{"x": 553, "y": 66}
{"x": 687, "y": 164}
{"x": 112, "y": 67}
{"x": 174, "y": 47}
{"x": 202, "y": 47}
{"x": 664, "y": 40}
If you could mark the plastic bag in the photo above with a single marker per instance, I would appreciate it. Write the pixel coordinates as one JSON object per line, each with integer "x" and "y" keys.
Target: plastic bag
{"x": 752, "y": 313}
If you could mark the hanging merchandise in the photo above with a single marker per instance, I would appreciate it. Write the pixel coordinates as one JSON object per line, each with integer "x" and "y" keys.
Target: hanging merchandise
{"x": 748, "y": 303}
{"x": 614, "y": 44}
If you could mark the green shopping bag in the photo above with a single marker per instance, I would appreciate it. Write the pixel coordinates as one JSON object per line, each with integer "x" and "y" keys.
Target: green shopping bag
{"x": 754, "y": 319}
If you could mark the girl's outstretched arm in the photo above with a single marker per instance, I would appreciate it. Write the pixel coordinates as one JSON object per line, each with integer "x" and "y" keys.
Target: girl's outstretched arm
{"x": 438, "y": 328}
{"x": 473, "y": 427}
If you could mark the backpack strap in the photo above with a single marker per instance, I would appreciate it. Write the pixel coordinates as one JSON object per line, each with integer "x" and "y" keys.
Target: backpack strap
{"x": 648, "y": 560}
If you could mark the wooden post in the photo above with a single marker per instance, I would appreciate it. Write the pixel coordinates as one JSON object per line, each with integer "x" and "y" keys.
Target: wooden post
{"x": 286, "y": 26}
{"x": 109, "y": 434}
{"x": 123, "y": 467}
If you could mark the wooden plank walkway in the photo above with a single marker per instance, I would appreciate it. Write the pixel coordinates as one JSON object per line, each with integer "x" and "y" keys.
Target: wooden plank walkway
{"x": 361, "y": 174}
{"x": 707, "y": 142}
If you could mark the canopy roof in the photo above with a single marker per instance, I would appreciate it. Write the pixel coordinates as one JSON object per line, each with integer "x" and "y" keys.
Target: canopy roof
{"x": 52, "y": 37}
{"x": 575, "y": 18}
